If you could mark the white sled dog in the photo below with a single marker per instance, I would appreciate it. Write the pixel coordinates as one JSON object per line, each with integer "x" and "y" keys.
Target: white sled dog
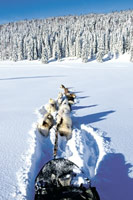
{"x": 64, "y": 107}
{"x": 60, "y": 99}
{"x": 51, "y": 107}
{"x": 64, "y": 121}
{"x": 46, "y": 124}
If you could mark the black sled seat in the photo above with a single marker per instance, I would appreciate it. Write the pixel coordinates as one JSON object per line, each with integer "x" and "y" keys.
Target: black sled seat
{"x": 61, "y": 179}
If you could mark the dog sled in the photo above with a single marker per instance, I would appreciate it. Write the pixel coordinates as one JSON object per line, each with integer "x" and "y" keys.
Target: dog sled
{"x": 61, "y": 179}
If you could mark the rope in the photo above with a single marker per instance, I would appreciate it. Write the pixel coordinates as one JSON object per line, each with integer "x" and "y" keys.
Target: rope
{"x": 56, "y": 143}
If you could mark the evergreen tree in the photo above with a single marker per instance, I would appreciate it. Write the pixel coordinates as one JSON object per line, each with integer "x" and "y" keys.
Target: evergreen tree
{"x": 35, "y": 55}
{"x": 20, "y": 49}
{"x": 99, "y": 56}
{"x": 30, "y": 49}
{"x": 131, "y": 54}
{"x": 84, "y": 53}
{"x": 14, "y": 52}
{"x": 44, "y": 55}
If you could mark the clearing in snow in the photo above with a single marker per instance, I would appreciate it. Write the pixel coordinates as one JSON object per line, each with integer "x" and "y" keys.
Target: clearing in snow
{"x": 102, "y": 115}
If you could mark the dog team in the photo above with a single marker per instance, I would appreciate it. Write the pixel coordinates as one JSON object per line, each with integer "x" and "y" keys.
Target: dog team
{"x": 58, "y": 113}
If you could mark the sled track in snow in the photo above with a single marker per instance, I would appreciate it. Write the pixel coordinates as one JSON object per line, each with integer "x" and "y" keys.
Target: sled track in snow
{"x": 86, "y": 149}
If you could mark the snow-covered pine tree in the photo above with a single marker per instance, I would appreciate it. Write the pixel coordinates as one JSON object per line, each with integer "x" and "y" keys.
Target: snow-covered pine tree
{"x": 55, "y": 55}
{"x": 58, "y": 52}
{"x": 35, "y": 54}
{"x": 66, "y": 49}
{"x": 39, "y": 47}
{"x": 14, "y": 52}
{"x": 78, "y": 46}
{"x": 99, "y": 56}
{"x": 20, "y": 49}
{"x": 131, "y": 52}
{"x": 44, "y": 58}
{"x": 84, "y": 55}
{"x": 131, "y": 56}
{"x": 30, "y": 49}
{"x": 47, "y": 44}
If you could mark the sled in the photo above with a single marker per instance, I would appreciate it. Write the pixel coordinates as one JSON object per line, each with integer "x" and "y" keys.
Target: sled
{"x": 61, "y": 179}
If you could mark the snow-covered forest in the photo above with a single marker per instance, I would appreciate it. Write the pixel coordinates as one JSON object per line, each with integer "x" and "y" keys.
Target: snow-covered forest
{"x": 89, "y": 36}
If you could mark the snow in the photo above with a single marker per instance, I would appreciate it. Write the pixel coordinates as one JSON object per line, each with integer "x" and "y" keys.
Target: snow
{"x": 101, "y": 144}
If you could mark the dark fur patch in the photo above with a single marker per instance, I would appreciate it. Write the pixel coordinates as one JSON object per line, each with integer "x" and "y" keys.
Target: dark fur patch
{"x": 45, "y": 124}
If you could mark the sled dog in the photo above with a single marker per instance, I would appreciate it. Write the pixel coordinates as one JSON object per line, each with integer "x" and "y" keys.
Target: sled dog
{"x": 64, "y": 123}
{"x": 51, "y": 107}
{"x": 65, "y": 89}
{"x": 70, "y": 97}
{"x": 46, "y": 124}
{"x": 64, "y": 107}
{"x": 59, "y": 99}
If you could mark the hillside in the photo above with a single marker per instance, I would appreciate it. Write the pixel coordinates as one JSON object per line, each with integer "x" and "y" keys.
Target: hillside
{"x": 88, "y": 37}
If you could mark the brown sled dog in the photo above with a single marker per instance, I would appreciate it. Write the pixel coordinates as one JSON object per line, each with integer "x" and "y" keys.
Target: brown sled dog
{"x": 65, "y": 89}
{"x": 70, "y": 97}
{"x": 46, "y": 124}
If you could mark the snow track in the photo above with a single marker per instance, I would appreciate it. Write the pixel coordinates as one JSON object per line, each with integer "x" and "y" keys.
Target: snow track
{"x": 86, "y": 149}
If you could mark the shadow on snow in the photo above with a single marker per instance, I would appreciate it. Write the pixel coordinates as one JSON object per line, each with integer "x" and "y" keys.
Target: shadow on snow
{"x": 27, "y": 77}
{"x": 92, "y": 117}
{"x": 112, "y": 180}
{"x": 82, "y": 107}
{"x": 83, "y": 97}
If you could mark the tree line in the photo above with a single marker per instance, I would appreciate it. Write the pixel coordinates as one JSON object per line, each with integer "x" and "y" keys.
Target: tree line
{"x": 90, "y": 36}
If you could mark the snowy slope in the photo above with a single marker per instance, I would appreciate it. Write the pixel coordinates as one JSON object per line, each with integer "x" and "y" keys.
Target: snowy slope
{"x": 102, "y": 120}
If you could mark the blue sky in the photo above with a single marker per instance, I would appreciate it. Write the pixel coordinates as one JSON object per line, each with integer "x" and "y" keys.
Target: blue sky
{"x": 13, "y": 10}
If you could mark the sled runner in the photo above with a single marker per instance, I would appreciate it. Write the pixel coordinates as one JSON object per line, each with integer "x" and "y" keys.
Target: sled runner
{"x": 61, "y": 179}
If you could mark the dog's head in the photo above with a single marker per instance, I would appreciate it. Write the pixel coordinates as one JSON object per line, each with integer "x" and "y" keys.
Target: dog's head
{"x": 60, "y": 95}
{"x": 62, "y": 86}
{"x": 51, "y": 101}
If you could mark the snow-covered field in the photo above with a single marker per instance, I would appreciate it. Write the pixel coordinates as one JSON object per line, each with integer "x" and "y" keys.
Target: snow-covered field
{"x": 103, "y": 130}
